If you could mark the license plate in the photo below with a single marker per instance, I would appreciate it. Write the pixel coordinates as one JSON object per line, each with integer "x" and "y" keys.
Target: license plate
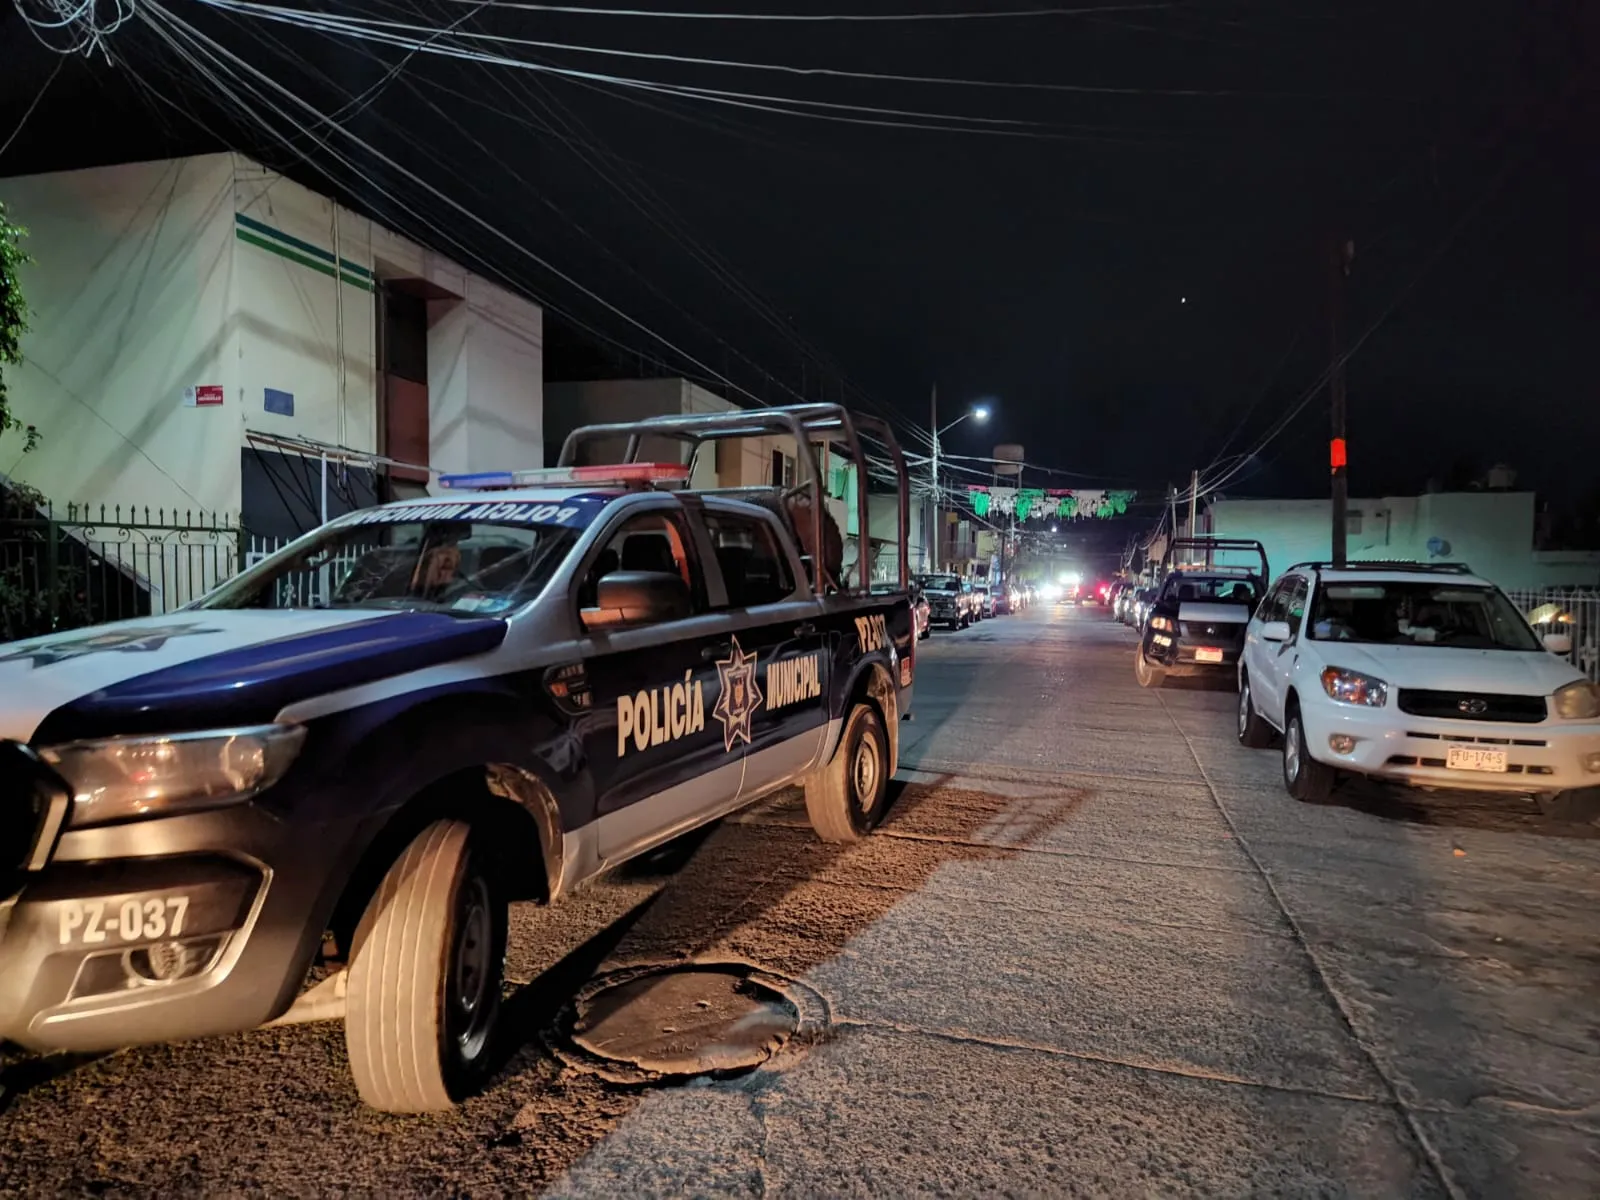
{"x": 121, "y": 920}
{"x": 1474, "y": 758}
{"x": 1207, "y": 655}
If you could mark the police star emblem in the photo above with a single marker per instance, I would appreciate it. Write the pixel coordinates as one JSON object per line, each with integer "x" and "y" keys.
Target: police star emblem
{"x": 740, "y": 696}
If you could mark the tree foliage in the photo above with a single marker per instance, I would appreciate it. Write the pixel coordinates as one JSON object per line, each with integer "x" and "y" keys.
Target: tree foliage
{"x": 13, "y": 320}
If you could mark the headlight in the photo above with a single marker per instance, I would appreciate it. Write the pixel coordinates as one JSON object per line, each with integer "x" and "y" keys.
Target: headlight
{"x": 1578, "y": 701}
{"x": 1162, "y": 623}
{"x": 1352, "y": 687}
{"x": 120, "y": 779}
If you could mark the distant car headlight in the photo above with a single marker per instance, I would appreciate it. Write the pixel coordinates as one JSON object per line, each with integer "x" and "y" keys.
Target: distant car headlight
{"x": 121, "y": 779}
{"x": 1352, "y": 687}
{"x": 1163, "y": 623}
{"x": 1578, "y": 701}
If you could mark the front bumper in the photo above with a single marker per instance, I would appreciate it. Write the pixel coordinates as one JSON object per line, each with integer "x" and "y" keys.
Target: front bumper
{"x": 1178, "y": 654}
{"x": 1389, "y": 744}
{"x": 157, "y": 930}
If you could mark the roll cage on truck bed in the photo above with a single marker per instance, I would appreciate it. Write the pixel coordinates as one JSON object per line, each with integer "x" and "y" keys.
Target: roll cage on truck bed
{"x": 362, "y": 785}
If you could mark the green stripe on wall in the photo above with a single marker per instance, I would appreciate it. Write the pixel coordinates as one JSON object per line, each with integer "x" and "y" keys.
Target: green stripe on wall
{"x": 307, "y": 248}
{"x": 322, "y": 268}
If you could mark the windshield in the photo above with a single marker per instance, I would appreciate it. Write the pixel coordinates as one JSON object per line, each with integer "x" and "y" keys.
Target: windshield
{"x": 1224, "y": 589}
{"x": 1423, "y": 613}
{"x": 465, "y": 567}
{"x": 943, "y": 585}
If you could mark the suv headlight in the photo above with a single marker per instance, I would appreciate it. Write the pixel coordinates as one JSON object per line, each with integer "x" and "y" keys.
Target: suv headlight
{"x": 1578, "y": 701}
{"x": 121, "y": 779}
{"x": 1352, "y": 687}
{"x": 1162, "y": 623}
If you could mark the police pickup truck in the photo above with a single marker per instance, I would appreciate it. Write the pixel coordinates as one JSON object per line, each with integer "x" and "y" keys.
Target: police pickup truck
{"x": 347, "y": 761}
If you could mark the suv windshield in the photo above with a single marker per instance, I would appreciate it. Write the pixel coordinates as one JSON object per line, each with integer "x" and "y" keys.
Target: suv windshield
{"x": 1213, "y": 589}
{"x": 1422, "y": 613}
{"x": 946, "y": 584}
{"x": 454, "y": 566}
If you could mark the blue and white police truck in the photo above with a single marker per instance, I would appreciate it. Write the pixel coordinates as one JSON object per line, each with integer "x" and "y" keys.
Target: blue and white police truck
{"x": 346, "y": 762}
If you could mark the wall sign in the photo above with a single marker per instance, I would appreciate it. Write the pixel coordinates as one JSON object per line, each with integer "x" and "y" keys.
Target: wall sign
{"x": 206, "y": 395}
{"x": 278, "y": 402}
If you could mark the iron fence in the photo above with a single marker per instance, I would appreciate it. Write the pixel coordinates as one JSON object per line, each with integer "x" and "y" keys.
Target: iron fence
{"x": 86, "y": 564}
{"x": 1571, "y": 611}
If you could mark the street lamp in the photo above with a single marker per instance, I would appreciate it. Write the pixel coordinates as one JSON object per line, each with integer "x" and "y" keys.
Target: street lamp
{"x": 979, "y": 413}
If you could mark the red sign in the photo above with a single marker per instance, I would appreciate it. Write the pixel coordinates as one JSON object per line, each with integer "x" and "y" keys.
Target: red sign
{"x": 207, "y": 395}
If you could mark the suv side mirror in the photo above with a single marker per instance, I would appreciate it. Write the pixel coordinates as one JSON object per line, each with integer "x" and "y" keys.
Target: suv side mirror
{"x": 638, "y": 598}
{"x": 1275, "y": 631}
{"x": 1558, "y": 643}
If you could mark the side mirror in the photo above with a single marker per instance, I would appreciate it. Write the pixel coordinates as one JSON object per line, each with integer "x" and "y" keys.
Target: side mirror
{"x": 637, "y": 598}
{"x": 1558, "y": 643}
{"x": 1275, "y": 631}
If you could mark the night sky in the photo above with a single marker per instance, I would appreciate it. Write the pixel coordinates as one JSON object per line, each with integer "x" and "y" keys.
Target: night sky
{"x": 1139, "y": 281}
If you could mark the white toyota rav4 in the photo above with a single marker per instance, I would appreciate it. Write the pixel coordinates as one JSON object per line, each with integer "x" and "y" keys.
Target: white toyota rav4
{"x": 1422, "y": 674}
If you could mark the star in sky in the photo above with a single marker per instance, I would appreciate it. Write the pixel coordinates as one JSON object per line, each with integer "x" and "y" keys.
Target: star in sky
{"x": 740, "y": 696}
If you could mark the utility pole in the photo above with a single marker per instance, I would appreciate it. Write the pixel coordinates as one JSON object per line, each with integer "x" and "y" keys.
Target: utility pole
{"x": 1341, "y": 251}
{"x": 1194, "y": 501}
{"x": 933, "y": 428}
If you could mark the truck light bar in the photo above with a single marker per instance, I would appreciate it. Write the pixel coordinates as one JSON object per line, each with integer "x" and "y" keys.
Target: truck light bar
{"x": 624, "y": 474}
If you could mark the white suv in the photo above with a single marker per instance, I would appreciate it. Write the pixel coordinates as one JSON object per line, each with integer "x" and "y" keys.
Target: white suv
{"x": 1423, "y": 674}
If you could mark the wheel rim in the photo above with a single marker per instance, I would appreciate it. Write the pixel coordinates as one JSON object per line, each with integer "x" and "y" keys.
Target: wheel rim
{"x": 1291, "y": 750}
{"x": 472, "y": 967}
{"x": 864, "y": 772}
{"x": 1244, "y": 709}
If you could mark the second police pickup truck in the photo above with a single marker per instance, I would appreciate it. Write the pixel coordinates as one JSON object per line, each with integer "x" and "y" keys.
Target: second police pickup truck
{"x": 354, "y": 755}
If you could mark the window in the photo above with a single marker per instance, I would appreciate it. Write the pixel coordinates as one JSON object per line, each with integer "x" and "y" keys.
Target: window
{"x": 1276, "y": 606}
{"x": 466, "y": 567}
{"x": 1419, "y": 613}
{"x": 1295, "y": 600}
{"x": 782, "y": 469}
{"x": 654, "y": 542}
{"x": 755, "y": 569}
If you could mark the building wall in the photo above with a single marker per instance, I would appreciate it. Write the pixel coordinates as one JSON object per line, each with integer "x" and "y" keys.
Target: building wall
{"x": 1490, "y": 531}
{"x": 485, "y": 380}
{"x": 289, "y": 307}
{"x": 130, "y": 296}
{"x": 212, "y": 271}
{"x": 746, "y": 462}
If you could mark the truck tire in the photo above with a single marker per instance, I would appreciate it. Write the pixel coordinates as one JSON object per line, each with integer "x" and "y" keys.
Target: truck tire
{"x": 426, "y": 968}
{"x": 845, "y": 799}
{"x": 1146, "y": 672}
{"x": 1254, "y": 733}
{"x": 1303, "y": 776}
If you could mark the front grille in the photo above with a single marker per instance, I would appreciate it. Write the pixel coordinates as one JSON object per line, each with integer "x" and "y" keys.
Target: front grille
{"x": 1212, "y": 633}
{"x": 1411, "y": 760}
{"x": 1472, "y": 706}
{"x": 1486, "y": 741}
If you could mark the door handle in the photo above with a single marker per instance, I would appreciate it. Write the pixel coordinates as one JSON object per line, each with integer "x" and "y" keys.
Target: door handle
{"x": 711, "y": 653}
{"x": 805, "y": 629}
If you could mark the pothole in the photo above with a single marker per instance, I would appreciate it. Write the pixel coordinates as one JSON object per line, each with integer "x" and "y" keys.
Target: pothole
{"x": 674, "y": 1022}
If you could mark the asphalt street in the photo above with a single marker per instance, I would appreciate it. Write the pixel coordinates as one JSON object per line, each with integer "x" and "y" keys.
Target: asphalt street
{"x": 1095, "y": 949}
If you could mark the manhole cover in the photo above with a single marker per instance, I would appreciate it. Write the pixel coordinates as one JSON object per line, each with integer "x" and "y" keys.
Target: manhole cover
{"x": 653, "y": 1023}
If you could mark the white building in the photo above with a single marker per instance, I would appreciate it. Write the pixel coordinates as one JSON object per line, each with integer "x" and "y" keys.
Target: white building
{"x": 181, "y": 307}
{"x": 1493, "y": 532}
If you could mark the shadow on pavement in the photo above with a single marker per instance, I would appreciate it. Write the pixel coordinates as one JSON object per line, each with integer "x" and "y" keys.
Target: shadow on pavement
{"x": 1457, "y": 810}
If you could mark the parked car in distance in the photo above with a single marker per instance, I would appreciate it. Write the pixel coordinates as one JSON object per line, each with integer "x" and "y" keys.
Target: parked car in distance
{"x": 1196, "y": 622}
{"x": 921, "y": 611}
{"x": 950, "y": 599}
{"x": 985, "y": 600}
{"x": 1422, "y": 674}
